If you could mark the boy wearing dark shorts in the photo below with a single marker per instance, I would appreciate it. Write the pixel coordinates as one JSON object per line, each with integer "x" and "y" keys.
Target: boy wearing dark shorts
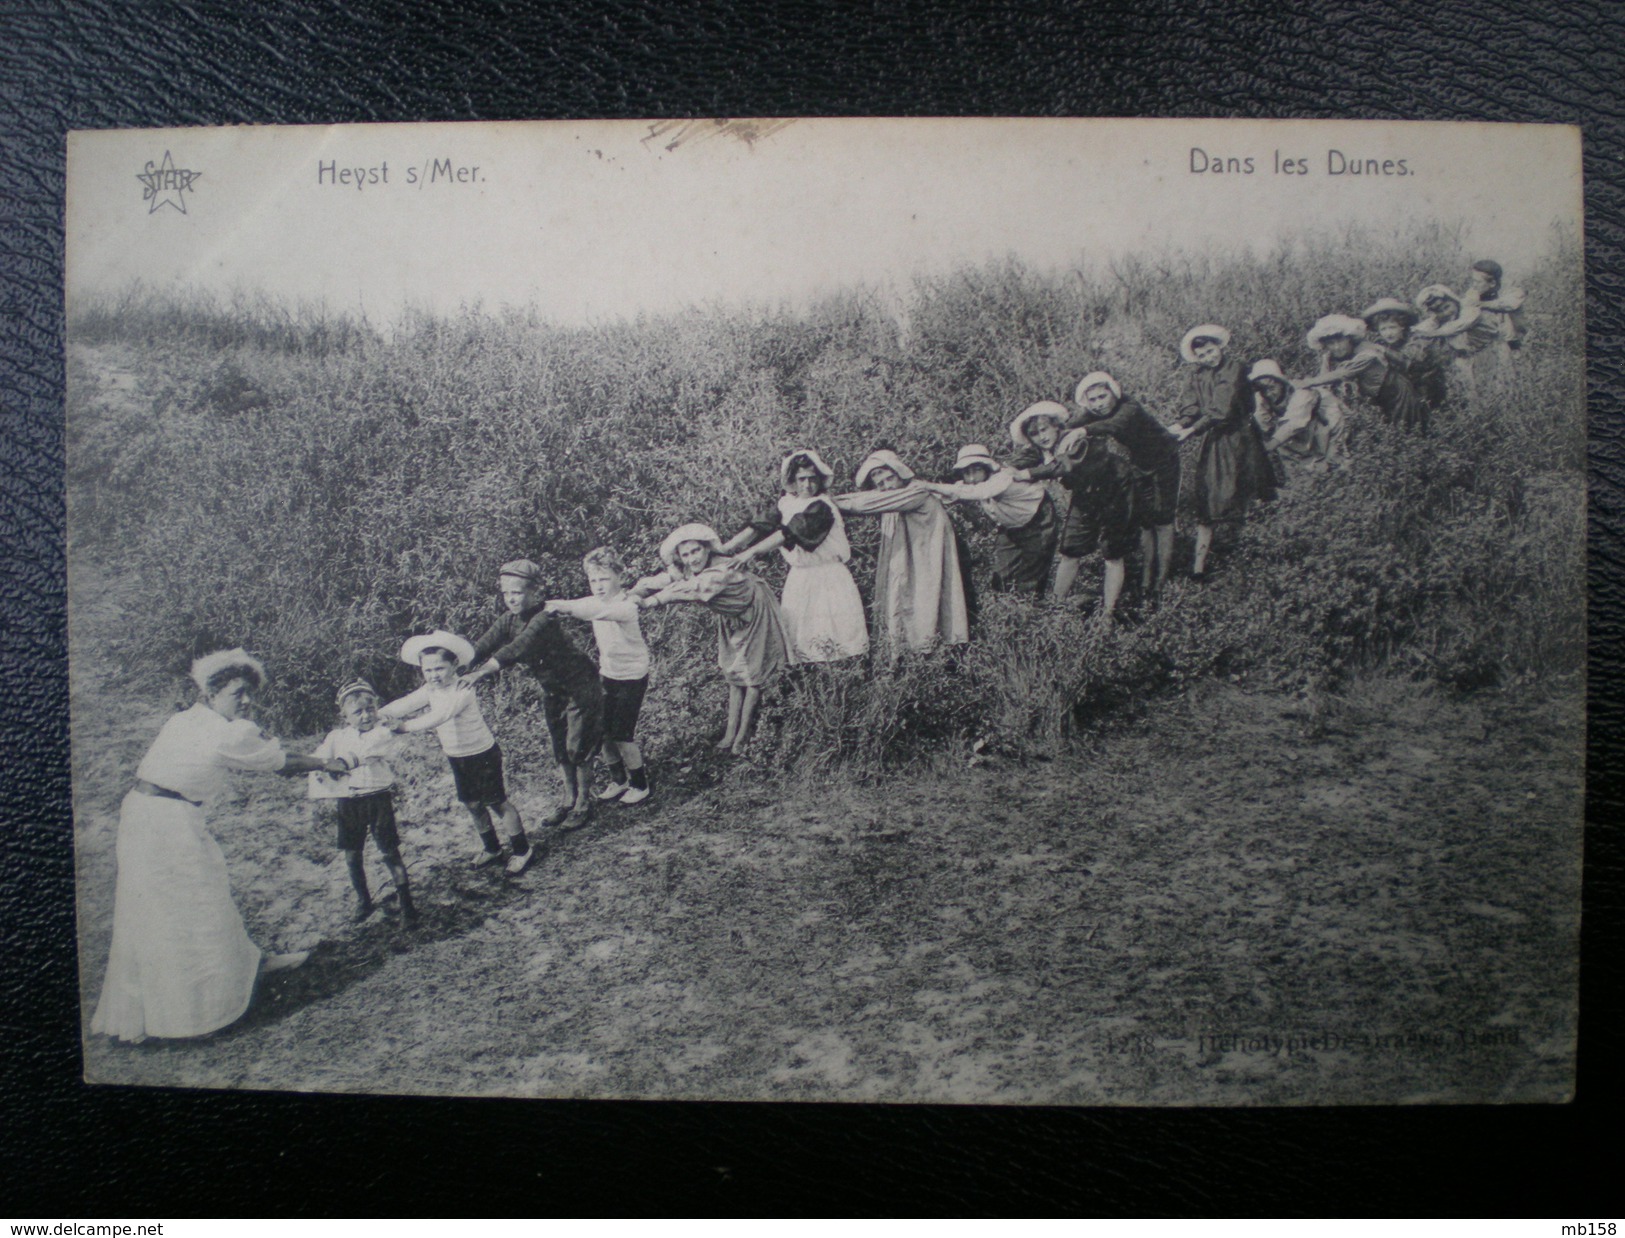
{"x": 363, "y": 799}
{"x": 452, "y": 711}
{"x": 1102, "y": 519}
{"x": 623, "y": 669}
{"x": 572, "y": 698}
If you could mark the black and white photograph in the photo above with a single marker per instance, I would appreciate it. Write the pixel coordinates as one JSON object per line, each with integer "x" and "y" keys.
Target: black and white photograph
{"x": 1035, "y": 612}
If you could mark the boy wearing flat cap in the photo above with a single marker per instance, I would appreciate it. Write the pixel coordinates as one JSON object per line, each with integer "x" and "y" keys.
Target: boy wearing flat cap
{"x": 572, "y": 697}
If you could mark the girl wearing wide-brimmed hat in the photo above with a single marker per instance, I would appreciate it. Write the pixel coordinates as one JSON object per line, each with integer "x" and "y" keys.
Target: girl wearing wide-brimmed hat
{"x": 1306, "y": 424}
{"x": 823, "y": 613}
{"x": 1358, "y": 369}
{"x": 919, "y": 589}
{"x": 752, "y": 647}
{"x": 1021, "y": 511}
{"x": 1231, "y": 467}
{"x": 1103, "y": 410}
{"x": 1390, "y": 323}
{"x": 181, "y": 963}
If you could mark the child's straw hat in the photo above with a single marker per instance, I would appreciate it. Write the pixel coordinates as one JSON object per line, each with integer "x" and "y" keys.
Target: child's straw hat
{"x": 1098, "y": 379}
{"x": 211, "y": 664}
{"x": 1334, "y": 325}
{"x": 1267, "y": 369}
{"x": 460, "y": 650}
{"x": 1044, "y": 408}
{"x": 1074, "y": 443}
{"x": 817, "y": 461}
{"x": 1391, "y": 306}
{"x": 702, "y": 533}
{"x": 1436, "y": 291}
{"x": 883, "y": 458}
{"x": 1207, "y": 331}
{"x": 975, "y": 453}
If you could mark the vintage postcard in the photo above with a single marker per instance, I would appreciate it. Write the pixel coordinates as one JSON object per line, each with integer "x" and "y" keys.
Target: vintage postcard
{"x": 1018, "y": 611}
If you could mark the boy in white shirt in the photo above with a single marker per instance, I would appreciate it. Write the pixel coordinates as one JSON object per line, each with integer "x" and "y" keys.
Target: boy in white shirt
{"x": 623, "y": 667}
{"x": 362, "y": 798}
{"x": 452, "y": 711}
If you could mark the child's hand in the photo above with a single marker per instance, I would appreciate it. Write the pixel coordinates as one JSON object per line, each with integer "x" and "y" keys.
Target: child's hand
{"x": 337, "y": 767}
{"x": 551, "y": 606}
{"x": 647, "y": 603}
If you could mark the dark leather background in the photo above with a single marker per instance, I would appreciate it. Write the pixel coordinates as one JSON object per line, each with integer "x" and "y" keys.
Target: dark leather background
{"x": 70, "y": 1151}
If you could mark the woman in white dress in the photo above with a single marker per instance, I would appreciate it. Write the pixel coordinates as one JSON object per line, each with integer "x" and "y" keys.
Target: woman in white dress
{"x": 181, "y": 963}
{"x": 823, "y": 614}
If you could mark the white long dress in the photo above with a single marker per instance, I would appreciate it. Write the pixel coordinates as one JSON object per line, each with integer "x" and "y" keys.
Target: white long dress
{"x": 181, "y": 963}
{"x": 823, "y": 613}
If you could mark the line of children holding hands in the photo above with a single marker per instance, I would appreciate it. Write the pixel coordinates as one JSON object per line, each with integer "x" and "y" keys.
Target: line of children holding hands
{"x": 1243, "y": 417}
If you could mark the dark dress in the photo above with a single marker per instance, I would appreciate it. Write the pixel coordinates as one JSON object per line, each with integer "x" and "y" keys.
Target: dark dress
{"x": 1425, "y": 366}
{"x": 1373, "y": 375}
{"x": 1152, "y": 451}
{"x": 1232, "y": 468}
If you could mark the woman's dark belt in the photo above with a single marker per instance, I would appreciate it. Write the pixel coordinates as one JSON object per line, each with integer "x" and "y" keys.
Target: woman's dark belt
{"x": 152, "y": 788}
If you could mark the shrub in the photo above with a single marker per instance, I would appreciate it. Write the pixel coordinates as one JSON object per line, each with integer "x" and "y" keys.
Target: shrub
{"x": 316, "y": 487}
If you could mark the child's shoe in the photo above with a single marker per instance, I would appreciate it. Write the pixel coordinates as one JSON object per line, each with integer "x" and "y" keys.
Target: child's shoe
{"x": 577, "y": 816}
{"x": 558, "y": 815}
{"x": 635, "y": 795}
{"x": 615, "y": 791}
{"x": 519, "y": 863}
{"x": 482, "y": 857}
{"x": 363, "y": 910}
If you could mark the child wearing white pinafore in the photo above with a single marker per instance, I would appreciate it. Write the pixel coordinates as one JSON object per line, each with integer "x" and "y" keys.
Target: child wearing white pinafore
{"x": 823, "y": 612}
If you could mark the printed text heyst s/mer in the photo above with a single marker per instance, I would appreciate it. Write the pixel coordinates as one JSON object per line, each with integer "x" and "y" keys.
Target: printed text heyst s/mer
{"x": 434, "y": 171}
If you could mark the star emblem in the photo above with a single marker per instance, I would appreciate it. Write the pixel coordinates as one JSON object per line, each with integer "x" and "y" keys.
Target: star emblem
{"x": 165, "y": 185}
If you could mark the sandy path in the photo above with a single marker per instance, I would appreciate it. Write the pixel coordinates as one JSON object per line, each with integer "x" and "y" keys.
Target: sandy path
{"x": 1082, "y": 931}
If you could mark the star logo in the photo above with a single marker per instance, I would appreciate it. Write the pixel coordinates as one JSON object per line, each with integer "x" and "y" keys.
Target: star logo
{"x": 163, "y": 184}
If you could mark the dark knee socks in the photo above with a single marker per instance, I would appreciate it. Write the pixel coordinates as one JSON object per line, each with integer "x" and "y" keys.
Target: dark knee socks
{"x": 358, "y": 875}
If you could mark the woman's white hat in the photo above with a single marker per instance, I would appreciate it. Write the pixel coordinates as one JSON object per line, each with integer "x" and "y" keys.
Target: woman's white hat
{"x": 1044, "y": 408}
{"x": 1207, "y": 331}
{"x": 211, "y": 664}
{"x": 1098, "y": 379}
{"x": 702, "y": 533}
{"x": 1334, "y": 325}
{"x": 456, "y": 646}
{"x": 817, "y": 461}
{"x": 883, "y": 459}
{"x": 975, "y": 453}
{"x": 1267, "y": 369}
{"x": 1435, "y": 290}
{"x": 1389, "y": 305}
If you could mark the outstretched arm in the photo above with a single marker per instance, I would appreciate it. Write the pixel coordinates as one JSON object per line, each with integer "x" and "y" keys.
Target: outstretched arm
{"x": 878, "y": 502}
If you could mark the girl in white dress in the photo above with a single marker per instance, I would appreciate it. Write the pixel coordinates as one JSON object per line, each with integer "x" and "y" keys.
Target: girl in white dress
{"x": 181, "y": 963}
{"x": 823, "y": 614}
